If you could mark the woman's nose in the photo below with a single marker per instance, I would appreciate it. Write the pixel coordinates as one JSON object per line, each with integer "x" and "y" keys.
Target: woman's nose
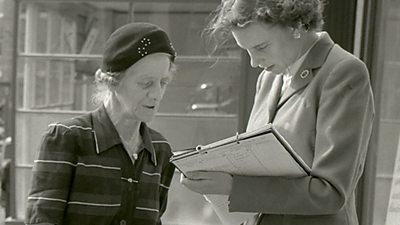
{"x": 156, "y": 93}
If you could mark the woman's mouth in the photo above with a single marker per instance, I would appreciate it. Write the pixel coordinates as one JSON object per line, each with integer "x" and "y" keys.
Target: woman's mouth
{"x": 150, "y": 106}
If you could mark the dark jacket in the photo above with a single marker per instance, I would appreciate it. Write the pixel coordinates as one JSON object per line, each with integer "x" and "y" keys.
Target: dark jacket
{"x": 78, "y": 177}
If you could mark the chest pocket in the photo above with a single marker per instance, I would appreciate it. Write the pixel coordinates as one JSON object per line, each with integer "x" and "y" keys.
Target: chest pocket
{"x": 95, "y": 194}
{"x": 148, "y": 201}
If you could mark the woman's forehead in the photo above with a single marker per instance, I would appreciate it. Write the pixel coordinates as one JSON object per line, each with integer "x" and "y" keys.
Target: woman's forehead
{"x": 256, "y": 33}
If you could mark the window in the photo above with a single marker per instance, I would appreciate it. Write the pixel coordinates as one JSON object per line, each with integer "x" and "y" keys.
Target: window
{"x": 59, "y": 49}
{"x": 387, "y": 189}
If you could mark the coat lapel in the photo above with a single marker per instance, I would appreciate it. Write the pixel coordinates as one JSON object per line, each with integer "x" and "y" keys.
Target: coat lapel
{"x": 315, "y": 58}
{"x": 273, "y": 97}
{"x": 265, "y": 100}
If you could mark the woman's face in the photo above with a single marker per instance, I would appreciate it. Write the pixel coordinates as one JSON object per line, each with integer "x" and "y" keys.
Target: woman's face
{"x": 271, "y": 47}
{"x": 143, "y": 86}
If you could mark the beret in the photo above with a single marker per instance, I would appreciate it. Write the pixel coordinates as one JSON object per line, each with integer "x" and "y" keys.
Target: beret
{"x": 131, "y": 42}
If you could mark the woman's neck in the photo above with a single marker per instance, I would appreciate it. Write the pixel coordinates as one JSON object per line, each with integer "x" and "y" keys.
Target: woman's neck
{"x": 127, "y": 127}
{"x": 303, "y": 45}
{"x": 307, "y": 40}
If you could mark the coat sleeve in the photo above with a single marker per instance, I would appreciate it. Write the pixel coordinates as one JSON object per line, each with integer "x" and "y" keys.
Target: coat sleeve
{"x": 343, "y": 128}
{"x": 51, "y": 177}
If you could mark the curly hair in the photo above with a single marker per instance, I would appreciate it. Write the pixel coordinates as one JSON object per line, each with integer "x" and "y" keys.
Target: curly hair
{"x": 104, "y": 83}
{"x": 230, "y": 14}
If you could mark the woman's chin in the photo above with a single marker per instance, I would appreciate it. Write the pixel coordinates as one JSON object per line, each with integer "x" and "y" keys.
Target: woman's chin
{"x": 146, "y": 118}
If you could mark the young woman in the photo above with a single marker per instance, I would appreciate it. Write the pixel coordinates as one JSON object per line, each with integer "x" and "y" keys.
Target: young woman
{"x": 317, "y": 95}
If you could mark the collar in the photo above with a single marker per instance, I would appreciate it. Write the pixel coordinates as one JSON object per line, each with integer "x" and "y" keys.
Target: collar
{"x": 292, "y": 70}
{"x": 318, "y": 53}
{"x": 106, "y": 135}
{"x": 314, "y": 59}
{"x": 296, "y": 65}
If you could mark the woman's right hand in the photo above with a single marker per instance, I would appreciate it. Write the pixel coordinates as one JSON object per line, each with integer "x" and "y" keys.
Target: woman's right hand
{"x": 208, "y": 182}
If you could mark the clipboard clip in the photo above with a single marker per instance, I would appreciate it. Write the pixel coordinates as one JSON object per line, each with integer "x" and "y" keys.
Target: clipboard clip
{"x": 237, "y": 138}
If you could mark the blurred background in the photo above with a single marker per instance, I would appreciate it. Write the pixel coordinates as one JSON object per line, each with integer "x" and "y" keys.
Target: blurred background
{"x": 50, "y": 49}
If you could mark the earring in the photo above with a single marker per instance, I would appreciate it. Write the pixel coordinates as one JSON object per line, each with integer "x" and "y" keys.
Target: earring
{"x": 296, "y": 34}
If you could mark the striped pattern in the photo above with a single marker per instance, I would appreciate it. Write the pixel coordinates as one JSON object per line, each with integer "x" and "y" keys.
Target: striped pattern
{"x": 147, "y": 209}
{"x": 92, "y": 204}
{"x": 78, "y": 164}
{"x": 83, "y": 174}
{"x": 151, "y": 174}
{"x": 70, "y": 127}
{"x": 47, "y": 199}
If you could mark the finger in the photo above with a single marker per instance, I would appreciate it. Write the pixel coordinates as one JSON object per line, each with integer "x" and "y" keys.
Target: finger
{"x": 193, "y": 185}
{"x": 199, "y": 175}
{"x": 193, "y": 174}
{"x": 188, "y": 181}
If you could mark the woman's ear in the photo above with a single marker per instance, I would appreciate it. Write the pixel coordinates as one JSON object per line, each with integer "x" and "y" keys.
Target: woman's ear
{"x": 296, "y": 33}
{"x": 298, "y": 30}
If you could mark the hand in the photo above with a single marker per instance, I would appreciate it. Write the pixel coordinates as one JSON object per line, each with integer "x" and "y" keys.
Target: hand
{"x": 207, "y": 182}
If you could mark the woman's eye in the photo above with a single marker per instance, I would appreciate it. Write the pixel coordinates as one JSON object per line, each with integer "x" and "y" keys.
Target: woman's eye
{"x": 147, "y": 84}
{"x": 164, "y": 83}
{"x": 262, "y": 47}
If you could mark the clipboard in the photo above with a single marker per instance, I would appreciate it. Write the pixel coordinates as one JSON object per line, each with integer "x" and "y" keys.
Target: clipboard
{"x": 262, "y": 152}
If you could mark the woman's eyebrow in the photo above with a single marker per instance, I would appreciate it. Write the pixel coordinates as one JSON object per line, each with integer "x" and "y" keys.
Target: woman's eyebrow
{"x": 259, "y": 45}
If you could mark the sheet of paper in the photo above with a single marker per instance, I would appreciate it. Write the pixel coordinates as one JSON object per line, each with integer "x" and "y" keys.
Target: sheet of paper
{"x": 259, "y": 156}
{"x": 220, "y": 206}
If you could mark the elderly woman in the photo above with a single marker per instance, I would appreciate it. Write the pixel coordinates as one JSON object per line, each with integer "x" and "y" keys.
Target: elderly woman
{"x": 317, "y": 95}
{"x": 107, "y": 167}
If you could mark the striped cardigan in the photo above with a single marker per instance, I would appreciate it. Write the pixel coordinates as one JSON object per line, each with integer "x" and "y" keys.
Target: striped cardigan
{"x": 84, "y": 176}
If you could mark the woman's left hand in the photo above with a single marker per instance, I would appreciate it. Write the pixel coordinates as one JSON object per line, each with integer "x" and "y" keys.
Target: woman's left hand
{"x": 207, "y": 182}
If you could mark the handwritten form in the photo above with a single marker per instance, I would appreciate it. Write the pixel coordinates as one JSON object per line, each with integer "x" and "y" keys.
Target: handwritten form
{"x": 262, "y": 155}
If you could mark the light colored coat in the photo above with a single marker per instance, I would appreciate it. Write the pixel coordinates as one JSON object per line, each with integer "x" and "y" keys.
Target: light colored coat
{"x": 326, "y": 115}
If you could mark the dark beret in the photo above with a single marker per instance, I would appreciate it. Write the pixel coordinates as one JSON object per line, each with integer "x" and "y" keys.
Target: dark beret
{"x": 131, "y": 42}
